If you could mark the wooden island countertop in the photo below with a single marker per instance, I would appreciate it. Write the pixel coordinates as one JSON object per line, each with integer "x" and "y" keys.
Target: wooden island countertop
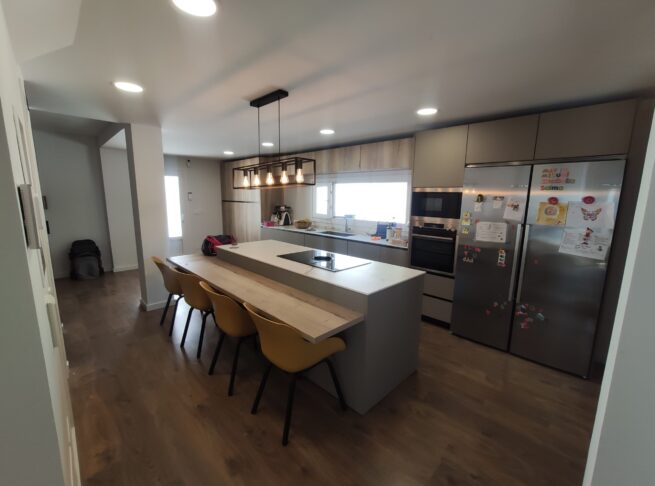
{"x": 315, "y": 318}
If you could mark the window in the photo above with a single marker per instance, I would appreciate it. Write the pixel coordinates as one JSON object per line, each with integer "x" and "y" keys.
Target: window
{"x": 369, "y": 197}
{"x": 173, "y": 211}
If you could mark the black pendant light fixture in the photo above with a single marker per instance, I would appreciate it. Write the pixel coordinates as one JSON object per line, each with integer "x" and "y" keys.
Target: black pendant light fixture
{"x": 275, "y": 170}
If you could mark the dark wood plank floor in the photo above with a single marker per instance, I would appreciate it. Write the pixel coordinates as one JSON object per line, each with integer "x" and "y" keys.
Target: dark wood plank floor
{"x": 148, "y": 413}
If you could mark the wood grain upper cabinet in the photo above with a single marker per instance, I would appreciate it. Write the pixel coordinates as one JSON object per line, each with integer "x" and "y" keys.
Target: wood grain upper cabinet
{"x": 387, "y": 155}
{"x": 507, "y": 140}
{"x": 591, "y": 130}
{"x": 242, "y": 220}
{"x": 341, "y": 159}
{"x": 439, "y": 157}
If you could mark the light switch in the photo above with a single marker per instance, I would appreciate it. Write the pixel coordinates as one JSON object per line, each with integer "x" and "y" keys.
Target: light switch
{"x": 189, "y": 196}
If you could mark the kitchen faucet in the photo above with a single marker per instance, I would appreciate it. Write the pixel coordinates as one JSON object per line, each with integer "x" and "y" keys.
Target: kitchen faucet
{"x": 348, "y": 217}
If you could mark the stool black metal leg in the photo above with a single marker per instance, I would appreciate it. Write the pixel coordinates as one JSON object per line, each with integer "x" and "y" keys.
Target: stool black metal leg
{"x": 202, "y": 333}
{"x": 336, "y": 384}
{"x": 218, "y": 350}
{"x": 261, "y": 389}
{"x": 186, "y": 327}
{"x": 170, "y": 331}
{"x": 287, "y": 418}
{"x": 163, "y": 315}
{"x": 230, "y": 390}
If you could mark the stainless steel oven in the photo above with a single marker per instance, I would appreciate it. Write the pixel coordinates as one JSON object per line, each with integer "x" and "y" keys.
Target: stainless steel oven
{"x": 433, "y": 246}
{"x": 437, "y": 202}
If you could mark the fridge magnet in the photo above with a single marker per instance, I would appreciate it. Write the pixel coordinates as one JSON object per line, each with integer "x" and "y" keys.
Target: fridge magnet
{"x": 554, "y": 178}
{"x": 466, "y": 218}
{"x": 595, "y": 216}
{"x": 498, "y": 202}
{"x": 477, "y": 207}
{"x": 586, "y": 243}
{"x": 501, "y": 258}
{"x": 552, "y": 214}
{"x": 465, "y": 230}
{"x": 589, "y": 199}
{"x": 491, "y": 232}
{"x": 514, "y": 210}
{"x": 553, "y": 200}
{"x": 480, "y": 198}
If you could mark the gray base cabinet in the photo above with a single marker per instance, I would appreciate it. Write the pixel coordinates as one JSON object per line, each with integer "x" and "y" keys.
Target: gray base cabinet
{"x": 364, "y": 250}
{"x": 328, "y": 244}
{"x": 438, "y": 294}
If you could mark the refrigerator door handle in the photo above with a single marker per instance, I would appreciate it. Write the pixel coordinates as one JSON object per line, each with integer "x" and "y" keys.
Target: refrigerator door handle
{"x": 523, "y": 259}
{"x": 512, "y": 278}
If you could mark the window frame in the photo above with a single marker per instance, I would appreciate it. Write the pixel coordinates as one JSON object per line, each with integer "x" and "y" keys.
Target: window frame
{"x": 331, "y": 180}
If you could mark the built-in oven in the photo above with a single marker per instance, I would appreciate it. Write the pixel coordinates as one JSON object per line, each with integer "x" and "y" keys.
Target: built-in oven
{"x": 433, "y": 247}
{"x": 437, "y": 202}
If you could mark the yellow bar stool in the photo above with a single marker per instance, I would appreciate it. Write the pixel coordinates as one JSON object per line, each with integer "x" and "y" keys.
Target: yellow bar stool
{"x": 171, "y": 284}
{"x": 197, "y": 299}
{"x": 285, "y": 348}
{"x": 234, "y": 321}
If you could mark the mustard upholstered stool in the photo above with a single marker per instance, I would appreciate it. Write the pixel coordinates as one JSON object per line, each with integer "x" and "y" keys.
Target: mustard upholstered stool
{"x": 285, "y": 348}
{"x": 172, "y": 285}
{"x": 232, "y": 320}
{"x": 197, "y": 299}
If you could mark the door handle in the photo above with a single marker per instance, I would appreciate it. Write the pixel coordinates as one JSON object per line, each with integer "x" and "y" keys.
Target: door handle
{"x": 523, "y": 259}
{"x": 512, "y": 278}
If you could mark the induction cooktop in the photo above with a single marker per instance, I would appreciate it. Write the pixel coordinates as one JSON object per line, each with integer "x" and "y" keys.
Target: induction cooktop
{"x": 334, "y": 262}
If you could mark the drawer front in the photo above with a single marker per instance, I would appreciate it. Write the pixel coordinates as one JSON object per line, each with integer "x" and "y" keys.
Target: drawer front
{"x": 438, "y": 286}
{"x": 394, "y": 256}
{"x": 364, "y": 250}
{"x": 437, "y": 309}
{"x": 328, "y": 244}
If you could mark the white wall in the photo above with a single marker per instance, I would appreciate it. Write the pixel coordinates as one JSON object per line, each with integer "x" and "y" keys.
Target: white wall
{"x": 37, "y": 437}
{"x": 622, "y": 448}
{"x": 202, "y": 215}
{"x": 71, "y": 178}
{"x": 118, "y": 200}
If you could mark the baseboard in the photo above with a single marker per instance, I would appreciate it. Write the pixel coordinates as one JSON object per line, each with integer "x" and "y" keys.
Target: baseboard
{"x": 153, "y": 306}
{"x": 125, "y": 268}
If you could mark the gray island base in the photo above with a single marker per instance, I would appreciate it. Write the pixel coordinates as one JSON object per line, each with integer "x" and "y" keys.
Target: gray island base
{"x": 381, "y": 351}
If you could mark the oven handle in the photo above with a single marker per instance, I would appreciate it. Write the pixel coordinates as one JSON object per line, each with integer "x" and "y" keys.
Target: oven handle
{"x": 440, "y": 238}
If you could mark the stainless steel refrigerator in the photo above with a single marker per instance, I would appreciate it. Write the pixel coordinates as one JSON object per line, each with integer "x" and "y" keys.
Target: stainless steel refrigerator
{"x": 533, "y": 246}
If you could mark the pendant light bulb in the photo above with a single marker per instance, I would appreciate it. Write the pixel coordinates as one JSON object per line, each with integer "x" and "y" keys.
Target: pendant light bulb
{"x": 269, "y": 177}
{"x": 284, "y": 178}
{"x": 246, "y": 180}
{"x": 299, "y": 177}
{"x": 257, "y": 182}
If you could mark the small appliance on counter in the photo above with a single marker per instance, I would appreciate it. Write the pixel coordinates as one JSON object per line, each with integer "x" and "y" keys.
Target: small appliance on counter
{"x": 282, "y": 215}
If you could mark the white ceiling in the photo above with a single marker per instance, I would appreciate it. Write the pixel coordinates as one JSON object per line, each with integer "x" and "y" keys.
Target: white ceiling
{"x": 66, "y": 124}
{"x": 361, "y": 67}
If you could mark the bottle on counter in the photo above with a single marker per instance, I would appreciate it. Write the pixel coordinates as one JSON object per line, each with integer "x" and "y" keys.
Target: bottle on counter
{"x": 389, "y": 232}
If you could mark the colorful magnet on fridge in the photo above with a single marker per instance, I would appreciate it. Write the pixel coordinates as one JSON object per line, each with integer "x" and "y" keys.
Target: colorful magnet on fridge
{"x": 553, "y": 201}
{"x": 487, "y": 312}
{"x": 501, "y": 258}
{"x": 589, "y": 199}
{"x": 480, "y": 198}
{"x": 540, "y": 316}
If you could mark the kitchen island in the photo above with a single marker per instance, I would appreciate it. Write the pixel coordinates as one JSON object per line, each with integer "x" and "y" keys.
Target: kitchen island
{"x": 379, "y": 306}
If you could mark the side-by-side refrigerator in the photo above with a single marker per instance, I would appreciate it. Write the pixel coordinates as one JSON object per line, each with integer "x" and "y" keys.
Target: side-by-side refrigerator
{"x": 533, "y": 248}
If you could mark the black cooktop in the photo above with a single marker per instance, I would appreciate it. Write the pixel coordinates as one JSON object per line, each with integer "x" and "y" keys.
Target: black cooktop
{"x": 334, "y": 262}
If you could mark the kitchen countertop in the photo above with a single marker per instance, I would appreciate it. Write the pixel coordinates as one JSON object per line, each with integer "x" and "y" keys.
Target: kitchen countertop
{"x": 355, "y": 237}
{"x": 366, "y": 279}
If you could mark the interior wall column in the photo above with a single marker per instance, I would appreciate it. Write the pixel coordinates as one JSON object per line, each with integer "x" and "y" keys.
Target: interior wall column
{"x": 146, "y": 163}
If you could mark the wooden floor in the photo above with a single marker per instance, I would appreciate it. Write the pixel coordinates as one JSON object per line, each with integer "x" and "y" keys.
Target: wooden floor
{"x": 147, "y": 413}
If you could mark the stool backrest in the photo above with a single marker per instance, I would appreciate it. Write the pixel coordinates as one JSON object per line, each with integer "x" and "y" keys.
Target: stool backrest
{"x": 233, "y": 319}
{"x": 193, "y": 293}
{"x": 169, "y": 275}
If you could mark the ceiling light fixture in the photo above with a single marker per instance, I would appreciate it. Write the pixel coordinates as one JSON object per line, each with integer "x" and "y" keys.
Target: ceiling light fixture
{"x": 228, "y": 152}
{"x": 197, "y": 8}
{"x": 327, "y": 131}
{"x": 277, "y": 169}
{"x": 128, "y": 87}
{"x": 427, "y": 111}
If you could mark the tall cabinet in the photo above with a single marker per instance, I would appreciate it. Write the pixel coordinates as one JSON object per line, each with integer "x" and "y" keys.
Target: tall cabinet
{"x": 241, "y": 207}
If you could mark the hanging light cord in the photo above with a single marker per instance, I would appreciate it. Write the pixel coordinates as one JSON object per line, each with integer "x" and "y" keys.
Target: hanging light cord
{"x": 259, "y": 138}
{"x": 279, "y": 137}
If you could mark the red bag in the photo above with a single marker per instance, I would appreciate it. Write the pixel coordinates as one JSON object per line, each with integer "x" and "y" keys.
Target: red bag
{"x": 210, "y": 243}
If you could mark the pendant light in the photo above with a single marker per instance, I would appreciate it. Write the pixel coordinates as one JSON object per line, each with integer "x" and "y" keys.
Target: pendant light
{"x": 284, "y": 178}
{"x": 246, "y": 179}
{"x": 269, "y": 177}
{"x": 257, "y": 182}
{"x": 299, "y": 177}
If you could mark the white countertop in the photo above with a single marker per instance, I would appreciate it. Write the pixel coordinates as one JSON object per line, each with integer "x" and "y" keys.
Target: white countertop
{"x": 355, "y": 237}
{"x": 366, "y": 279}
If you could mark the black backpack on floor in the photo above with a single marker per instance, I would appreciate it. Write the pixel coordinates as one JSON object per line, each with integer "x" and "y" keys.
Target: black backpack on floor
{"x": 86, "y": 261}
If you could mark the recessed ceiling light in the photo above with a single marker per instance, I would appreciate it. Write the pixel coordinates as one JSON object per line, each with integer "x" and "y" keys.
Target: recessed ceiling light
{"x": 129, "y": 87}
{"x": 426, "y": 111}
{"x": 228, "y": 152}
{"x": 267, "y": 144}
{"x": 327, "y": 131}
{"x": 199, "y": 8}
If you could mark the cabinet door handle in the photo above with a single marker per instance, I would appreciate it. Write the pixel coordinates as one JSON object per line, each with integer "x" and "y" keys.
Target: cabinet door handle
{"x": 524, "y": 254}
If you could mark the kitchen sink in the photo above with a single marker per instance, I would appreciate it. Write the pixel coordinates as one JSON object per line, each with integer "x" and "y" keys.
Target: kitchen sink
{"x": 336, "y": 233}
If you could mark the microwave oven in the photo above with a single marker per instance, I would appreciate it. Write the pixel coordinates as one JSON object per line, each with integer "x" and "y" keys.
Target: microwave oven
{"x": 443, "y": 203}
